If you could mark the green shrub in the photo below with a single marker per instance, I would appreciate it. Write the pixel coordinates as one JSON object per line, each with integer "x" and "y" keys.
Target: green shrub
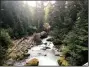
{"x": 65, "y": 51}
{"x": 2, "y": 55}
{"x": 5, "y": 42}
{"x": 78, "y": 56}
{"x": 4, "y": 38}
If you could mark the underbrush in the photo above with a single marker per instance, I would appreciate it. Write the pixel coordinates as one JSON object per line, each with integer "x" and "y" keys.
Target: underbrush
{"x": 5, "y": 43}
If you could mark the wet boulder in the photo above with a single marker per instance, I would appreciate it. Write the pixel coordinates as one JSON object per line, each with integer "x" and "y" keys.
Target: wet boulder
{"x": 45, "y": 54}
{"x": 44, "y": 48}
{"x": 10, "y": 62}
{"x": 36, "y": 38}
{"x": 32, "y": 62}
{"x": 57, "y": 54}
{"x": 26, "y": 55}
{"x": 50, "y": 39}
{"x": 43, "y": 34}
{"x": 47, "y": 47}
{"x": 45, "y": 43}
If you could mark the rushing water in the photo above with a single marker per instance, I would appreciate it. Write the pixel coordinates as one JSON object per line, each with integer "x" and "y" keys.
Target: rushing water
{"x": 45, "y": 53}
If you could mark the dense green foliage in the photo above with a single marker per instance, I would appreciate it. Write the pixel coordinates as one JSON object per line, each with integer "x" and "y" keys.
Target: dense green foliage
{"x": 5, "y": 42}
{"x": 70, "y": 27}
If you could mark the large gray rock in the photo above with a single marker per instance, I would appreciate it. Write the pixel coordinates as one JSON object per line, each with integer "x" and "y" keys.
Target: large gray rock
{"x": 44, "y": 48}
{"x": 36, "y": 37}
{"x": 50, "y": 39}
{"x": 43, "y": 34}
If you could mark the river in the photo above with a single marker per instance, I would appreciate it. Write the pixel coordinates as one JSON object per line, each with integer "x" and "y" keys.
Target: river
{"x": 44, "y": 52}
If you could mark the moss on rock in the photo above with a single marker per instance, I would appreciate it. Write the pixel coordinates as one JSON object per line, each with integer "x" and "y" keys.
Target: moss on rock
{"x": 32, "y": 62}
{"x": 62, "y": 61}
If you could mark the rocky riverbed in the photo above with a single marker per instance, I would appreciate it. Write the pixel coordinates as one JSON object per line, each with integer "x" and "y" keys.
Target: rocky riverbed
{"x": 46, "y": 53}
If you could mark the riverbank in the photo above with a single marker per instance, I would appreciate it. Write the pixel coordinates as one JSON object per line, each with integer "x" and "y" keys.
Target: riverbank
{"x": 19, "y": 50}
{"x": 20, "y": 47}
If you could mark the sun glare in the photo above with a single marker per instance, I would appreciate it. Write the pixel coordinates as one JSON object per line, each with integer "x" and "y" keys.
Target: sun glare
{"x": 33, "y": 3}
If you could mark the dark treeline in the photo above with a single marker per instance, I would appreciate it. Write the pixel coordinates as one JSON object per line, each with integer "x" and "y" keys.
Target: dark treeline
{"x": 68, "y": 21}
{"x": 20, "y": 19}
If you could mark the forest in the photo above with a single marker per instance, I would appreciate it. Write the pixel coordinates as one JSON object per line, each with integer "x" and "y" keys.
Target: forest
{"x": 44, "y": 33}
